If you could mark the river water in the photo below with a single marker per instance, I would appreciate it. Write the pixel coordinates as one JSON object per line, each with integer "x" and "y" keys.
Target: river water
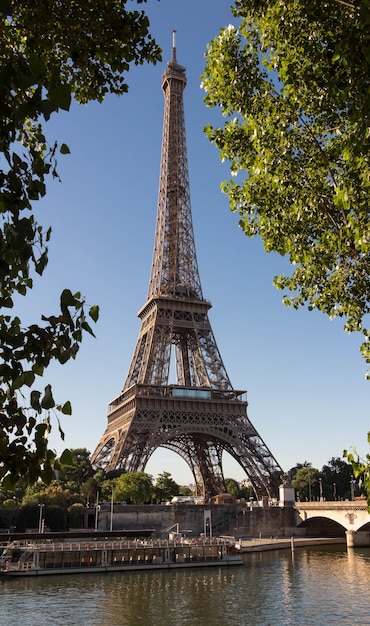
{"x": 318, "y": 586}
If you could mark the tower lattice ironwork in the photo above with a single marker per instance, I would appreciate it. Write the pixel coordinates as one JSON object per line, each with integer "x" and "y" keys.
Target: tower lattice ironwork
{"x": 199, "y": 416}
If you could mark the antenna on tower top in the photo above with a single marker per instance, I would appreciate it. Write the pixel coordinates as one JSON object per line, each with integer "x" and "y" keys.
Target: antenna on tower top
{"x": 174, "y": 46}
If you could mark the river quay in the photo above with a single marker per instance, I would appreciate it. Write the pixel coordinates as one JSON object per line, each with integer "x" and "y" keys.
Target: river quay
{"x": 282, "y": 543}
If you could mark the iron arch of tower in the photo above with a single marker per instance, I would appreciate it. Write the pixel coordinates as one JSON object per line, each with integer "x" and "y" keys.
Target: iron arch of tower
{"x": 200, "y": 416}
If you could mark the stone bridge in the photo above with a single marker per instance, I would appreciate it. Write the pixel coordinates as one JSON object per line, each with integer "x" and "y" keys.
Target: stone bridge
{"x": 333, "y": 519}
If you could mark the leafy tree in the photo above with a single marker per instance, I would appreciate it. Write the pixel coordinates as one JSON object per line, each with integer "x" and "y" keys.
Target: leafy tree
{"x": 75, "y": 515}
{"x": 135, "y": 487}
{"x": 293, "y": 470}
{"x": 28, "y": 516}
{"x": 337, "y": 476}
{"x": 78, "y": 472}
{"x": 9, "y": 504}
{"x": 16, "y": 495}
{"x": 361, "y": 469}
{"x": 165, "y": 487}
{"x": 50, "y": 52}
{"x": 306, "y": 483}
{"x": 55, "y": 518}
{"x": 89, "y": 489}
{"x": 232, "y": 487}
{"x": 8, "y": 517}
{"x": 53, "y": 495}
{"x": 107, "y": 487}
{"x": 184, "y": 490}
{"x": 293, "y": 81}
{"x": 103, "y": 483}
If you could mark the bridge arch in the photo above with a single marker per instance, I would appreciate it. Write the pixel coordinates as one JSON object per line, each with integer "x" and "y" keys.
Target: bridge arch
{"x": 321, "y": 526}
{"x": 335, "y": 519}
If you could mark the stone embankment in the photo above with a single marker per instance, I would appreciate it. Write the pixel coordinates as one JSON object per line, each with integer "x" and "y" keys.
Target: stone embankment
{"x": 279, "y": 543}
{"x": 236, "y": 520}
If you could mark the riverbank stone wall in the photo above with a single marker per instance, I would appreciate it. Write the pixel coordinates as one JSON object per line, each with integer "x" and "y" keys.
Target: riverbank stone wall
{"x": 236, "y": 520}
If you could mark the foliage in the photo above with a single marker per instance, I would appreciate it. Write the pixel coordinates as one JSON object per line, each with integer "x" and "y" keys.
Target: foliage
{"x": 53, "y": 495}
{"x": 8, "y": 517}
{"x": 337, "y": 477}
{"x": 361, "y": 469}
{"x": 293, "y": 81}
{"x": 306, "y": 483}
{"x": 165, "y": 487}
{"x": 50, "y": 52}
{"x": 75, "y": 515}
{"x": 9, "y": 504}
{"x": 293, "y": 470}
{"x": 89, "y": 489}
{"x": 134, "y": 487}
{"x": 28, "y": 516}
{"x": 232, "y": 487}
{"x": 15, "y": 494}
{"x": 55, "y": 518}
{"x": 184, "y": 490}
{"x": 74, "y": 475}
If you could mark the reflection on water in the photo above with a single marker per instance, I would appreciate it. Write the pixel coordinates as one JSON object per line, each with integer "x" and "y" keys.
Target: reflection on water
{"x": 314, "y": 587}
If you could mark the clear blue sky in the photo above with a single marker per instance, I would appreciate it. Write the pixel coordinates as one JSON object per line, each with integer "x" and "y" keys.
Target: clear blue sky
{"x": 307, "y": 394}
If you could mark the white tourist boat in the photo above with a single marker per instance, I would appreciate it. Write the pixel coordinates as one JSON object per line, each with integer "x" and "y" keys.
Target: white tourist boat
{"x": 44, "y": 557}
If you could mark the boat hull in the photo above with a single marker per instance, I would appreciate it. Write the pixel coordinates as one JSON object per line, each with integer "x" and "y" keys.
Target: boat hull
{"x": 111, "y": 569}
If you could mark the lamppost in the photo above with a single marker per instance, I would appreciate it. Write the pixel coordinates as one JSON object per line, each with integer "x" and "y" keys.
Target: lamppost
{"x": 207, "y": 523}
{"x": 111, "y": 512}
{"x": 352, "y": 483}
{"x": 41, "y": 519}
{"x": 334, "y": 491}
{"x": 97, "y": 511}
{"x": 320, "y": 485}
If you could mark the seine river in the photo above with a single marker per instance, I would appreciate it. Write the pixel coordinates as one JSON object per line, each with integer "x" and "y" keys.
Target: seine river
{"x": 311, "y": 587}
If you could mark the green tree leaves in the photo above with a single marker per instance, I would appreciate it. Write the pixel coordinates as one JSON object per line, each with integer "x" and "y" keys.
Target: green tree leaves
{"x": 360, "y": 468}
{"x": 50, "y": 52}
{"x": 292, "y": 82}
{"x": 305, "y": 483}
{"x": 134, "y": 487}
{"x": 165, "y": 487}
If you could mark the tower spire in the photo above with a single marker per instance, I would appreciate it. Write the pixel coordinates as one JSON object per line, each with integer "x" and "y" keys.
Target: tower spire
{"x": 174, "y": 46}
{"x": 174, "y": 265}
{"x": 199, "y": 415}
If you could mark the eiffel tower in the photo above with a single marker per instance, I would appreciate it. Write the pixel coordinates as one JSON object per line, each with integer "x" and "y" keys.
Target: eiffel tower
{"x": 201, "y": 415}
